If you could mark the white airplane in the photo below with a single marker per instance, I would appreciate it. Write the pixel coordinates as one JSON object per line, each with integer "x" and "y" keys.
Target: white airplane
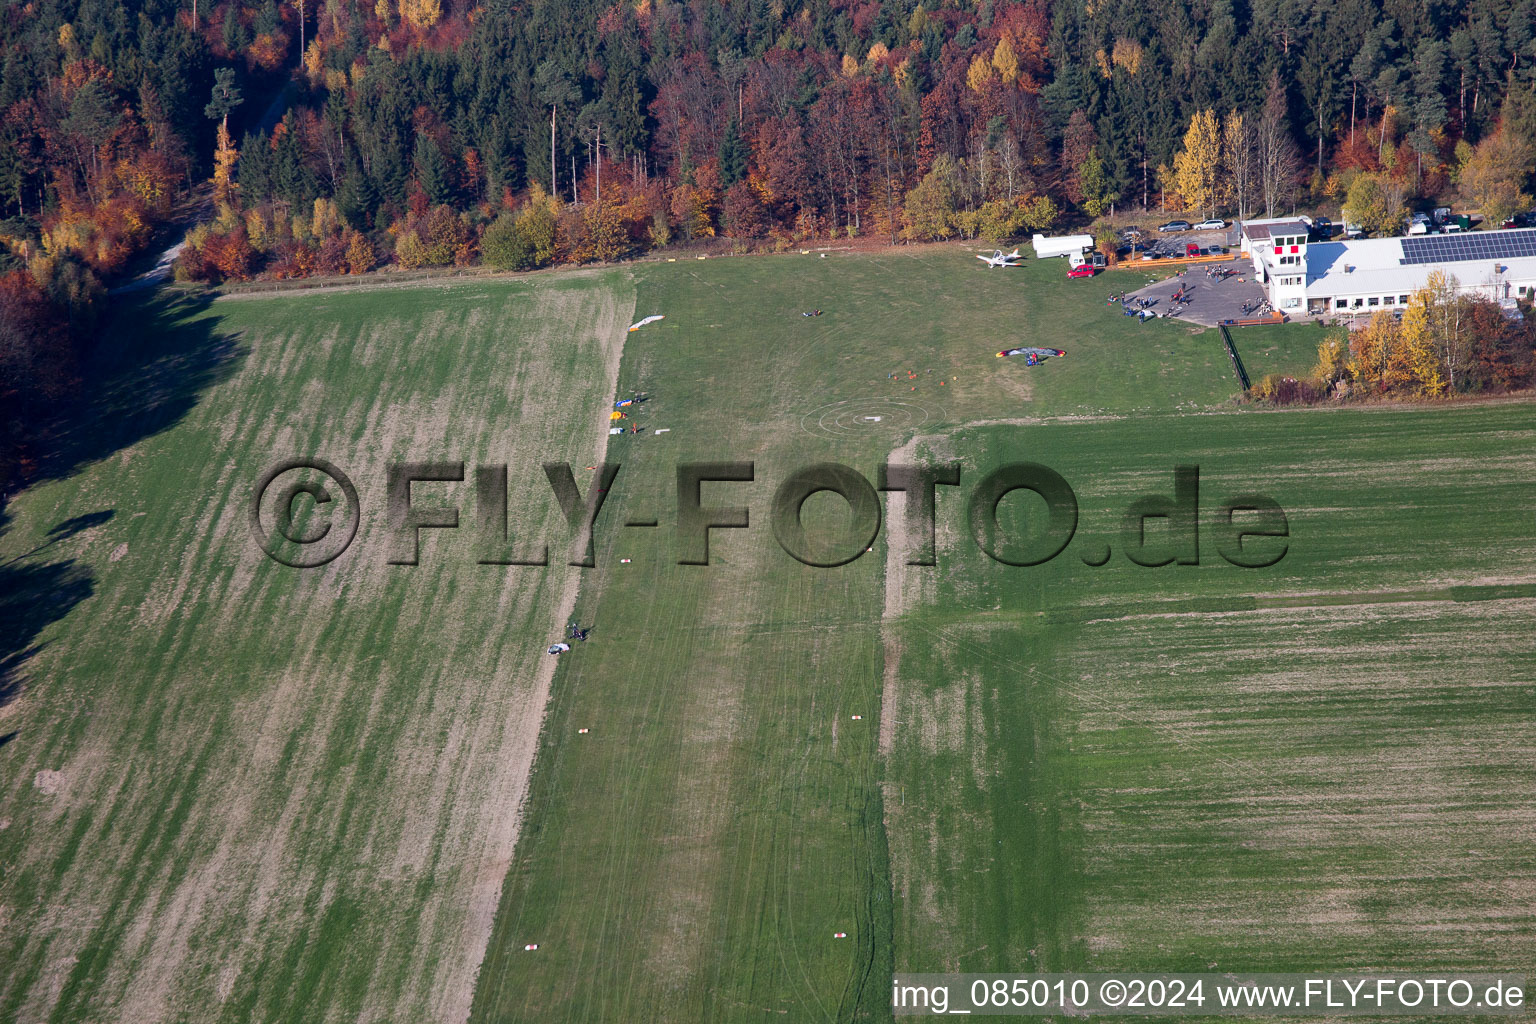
{"x": 998, "y": 259}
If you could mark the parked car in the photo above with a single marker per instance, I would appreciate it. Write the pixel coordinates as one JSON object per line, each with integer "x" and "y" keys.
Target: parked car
{"x": 1175, "y": 225}
{"x": 1322, "y": 227}
{"x": 1083, "y": 270}
{"x": 1214, "y": 224}
{"x": 1191, "y": 249}
{"x": 1151, "y": 255}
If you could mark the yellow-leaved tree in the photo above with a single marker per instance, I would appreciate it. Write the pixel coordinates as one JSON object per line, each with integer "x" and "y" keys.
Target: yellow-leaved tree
{"x": 1375, "y": 356}
{"x": 224, "y": 158}
{"x": 312, "y": 63}
{"x": 1197, "y": 167}
{"x": 1421, "y": 364}
{"x": 980, "y": 75}
{"x": 1127, "y": 56}
{"x": 1332, "y": 363}
{"x": 1006, "y": 61}
{"x": 421, "y": 14}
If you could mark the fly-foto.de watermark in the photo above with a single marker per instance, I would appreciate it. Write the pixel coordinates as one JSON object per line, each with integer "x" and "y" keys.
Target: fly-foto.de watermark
{"x": 305, "y": 513}
{"x": 1208, "y": 995}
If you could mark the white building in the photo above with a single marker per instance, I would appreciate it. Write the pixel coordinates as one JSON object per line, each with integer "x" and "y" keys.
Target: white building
{"x": 1362, "y": 276}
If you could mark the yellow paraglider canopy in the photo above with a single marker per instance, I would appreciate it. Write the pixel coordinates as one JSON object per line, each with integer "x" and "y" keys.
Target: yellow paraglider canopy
{"x": 615, "y": 416}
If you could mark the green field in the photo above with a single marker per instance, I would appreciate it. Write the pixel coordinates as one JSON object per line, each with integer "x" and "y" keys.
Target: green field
{"x": 243, "y": 792}
{"x": 232, "y": 790}
{"x": 1285, "y": 348}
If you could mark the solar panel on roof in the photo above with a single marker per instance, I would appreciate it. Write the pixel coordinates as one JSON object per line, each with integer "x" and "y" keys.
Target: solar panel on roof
{"x": 1485, "y": 245}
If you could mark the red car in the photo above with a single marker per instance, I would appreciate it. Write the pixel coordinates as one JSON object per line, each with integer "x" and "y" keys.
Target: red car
{"x": 1085, "y": 270}
{"x": 1191, "y": 249}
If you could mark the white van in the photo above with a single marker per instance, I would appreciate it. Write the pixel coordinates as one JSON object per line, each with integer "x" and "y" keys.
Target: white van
{"x": 1064, "y": 245}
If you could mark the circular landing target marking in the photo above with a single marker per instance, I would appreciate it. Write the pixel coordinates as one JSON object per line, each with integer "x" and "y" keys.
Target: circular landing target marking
{"x": 856, "y": 417}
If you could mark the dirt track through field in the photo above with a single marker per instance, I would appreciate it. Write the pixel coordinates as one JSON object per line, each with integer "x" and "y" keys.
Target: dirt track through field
{"x": 516, "y": 757}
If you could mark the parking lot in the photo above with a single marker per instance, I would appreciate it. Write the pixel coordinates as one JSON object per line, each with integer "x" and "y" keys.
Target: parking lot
{"x": 1174, "y": 243}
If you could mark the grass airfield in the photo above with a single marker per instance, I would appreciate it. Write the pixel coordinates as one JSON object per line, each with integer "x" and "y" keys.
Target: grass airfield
{"x": 235, "y": 790}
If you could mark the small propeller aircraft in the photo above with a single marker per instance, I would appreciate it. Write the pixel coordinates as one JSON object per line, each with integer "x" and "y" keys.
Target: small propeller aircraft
{"x": 1000, "y": 259}
{"x": 1032, "y": 356}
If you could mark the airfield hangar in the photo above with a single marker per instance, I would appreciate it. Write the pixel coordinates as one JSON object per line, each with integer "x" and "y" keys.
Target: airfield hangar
{"x": 1348, "y": 277}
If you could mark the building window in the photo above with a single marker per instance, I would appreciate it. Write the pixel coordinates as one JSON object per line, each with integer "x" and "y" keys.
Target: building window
{"x": 1359, "y": 303}
{"x": 1340, "y": 304}
{"x": 1373, "y": 301}
{"x": 1292, "y": 303}
{"x": 1520, "y": 290}
{"x": 1402, "y": 300}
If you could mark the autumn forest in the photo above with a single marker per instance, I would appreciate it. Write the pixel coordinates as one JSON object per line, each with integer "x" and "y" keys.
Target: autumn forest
{"x": 323, "y": 137}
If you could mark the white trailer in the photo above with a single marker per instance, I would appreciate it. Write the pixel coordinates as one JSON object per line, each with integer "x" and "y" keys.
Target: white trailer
{"x": 1063, "y": 245}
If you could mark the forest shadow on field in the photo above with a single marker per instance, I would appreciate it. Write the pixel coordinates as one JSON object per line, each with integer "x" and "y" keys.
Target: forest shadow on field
{"x": 154, "y": 357}
{"x": 32, "y": 597}
{"x": 149, "y": 366}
